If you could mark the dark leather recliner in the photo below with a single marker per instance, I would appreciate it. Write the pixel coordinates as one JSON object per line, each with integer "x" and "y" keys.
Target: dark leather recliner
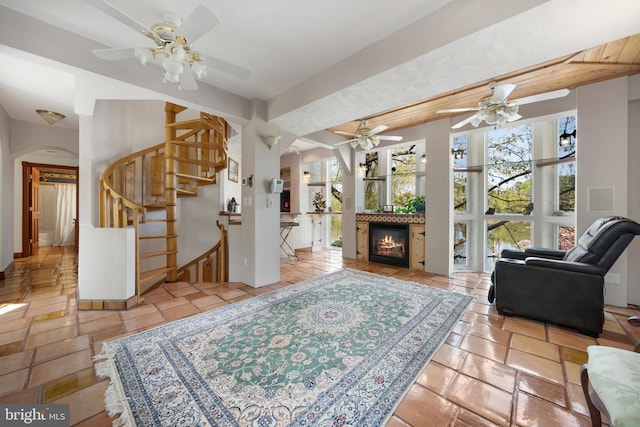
{"x": 565, "y": 288}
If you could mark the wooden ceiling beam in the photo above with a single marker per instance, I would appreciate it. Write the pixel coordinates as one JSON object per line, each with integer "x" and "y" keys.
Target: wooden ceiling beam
{"x": 610, "y": 60}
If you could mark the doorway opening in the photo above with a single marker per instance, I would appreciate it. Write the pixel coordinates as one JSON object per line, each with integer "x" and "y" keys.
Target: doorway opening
{"x": 49, "y": 206}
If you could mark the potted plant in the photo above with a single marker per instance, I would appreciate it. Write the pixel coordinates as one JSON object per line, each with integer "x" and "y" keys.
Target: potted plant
{"x": 319, "y": 202}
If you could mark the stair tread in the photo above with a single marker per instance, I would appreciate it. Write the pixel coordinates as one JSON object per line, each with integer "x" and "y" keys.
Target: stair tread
{"x": 196, "y": 144}
{"x": 184, "y": 192}
{"x": 155, "y": 206}
{"x": 195, "y": 178}
{"x": 153, "y": 273}
{"x": 188, "y": 124}
{"x": 158, "y": 253}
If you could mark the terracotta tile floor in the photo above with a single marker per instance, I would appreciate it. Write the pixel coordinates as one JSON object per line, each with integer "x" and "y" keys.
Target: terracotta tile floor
{"x": 491, "y": 371}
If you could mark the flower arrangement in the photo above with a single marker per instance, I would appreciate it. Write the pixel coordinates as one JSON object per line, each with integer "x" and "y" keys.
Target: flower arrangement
{"x": 319, "y": 202}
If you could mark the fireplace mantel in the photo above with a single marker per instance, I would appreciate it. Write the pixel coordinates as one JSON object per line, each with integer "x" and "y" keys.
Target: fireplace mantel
{"x": 391, "y": 217}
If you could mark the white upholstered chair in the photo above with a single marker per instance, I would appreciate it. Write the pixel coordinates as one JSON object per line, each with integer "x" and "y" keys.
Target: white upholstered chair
{"x": 611, "y": 383}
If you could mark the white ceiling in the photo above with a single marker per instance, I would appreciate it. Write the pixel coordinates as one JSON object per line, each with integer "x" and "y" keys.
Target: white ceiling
{"x": 314, "y": 64}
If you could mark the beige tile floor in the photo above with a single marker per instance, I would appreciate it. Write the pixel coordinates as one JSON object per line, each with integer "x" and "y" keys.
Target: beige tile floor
{"x": 491, "y": 371}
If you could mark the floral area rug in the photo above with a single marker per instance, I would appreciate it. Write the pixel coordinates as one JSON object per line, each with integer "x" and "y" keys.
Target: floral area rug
{"x": 341, "y": 349}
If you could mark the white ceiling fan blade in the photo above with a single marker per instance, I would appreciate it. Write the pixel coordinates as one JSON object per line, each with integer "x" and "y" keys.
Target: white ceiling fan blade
{"x": 501, "y": 92}
{"x": 127, "y": 20}
{"x": 116, "y": 53}
{"x": 389, "y": 138}
{"x": 464, "y": 122}
{"x": 457, "y": 110}
{"x": 345, "y": 142}
{"x": 378, "y": 129}
{"x": 187, "y": 80}
{"x": 340, "y": 132}
{"x": 227, "y": 67}
{"x": 200, "y": 22}
{"x": 514, "y": 117}
{"x": 542, "y": 96}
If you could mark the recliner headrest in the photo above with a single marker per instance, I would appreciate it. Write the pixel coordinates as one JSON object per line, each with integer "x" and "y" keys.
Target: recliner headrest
{"x": 600, "y": 239}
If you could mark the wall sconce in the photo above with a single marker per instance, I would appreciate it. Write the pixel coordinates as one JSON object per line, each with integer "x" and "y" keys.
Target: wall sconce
{"x": 306, "y": 174}
{"x": 423, "y": 158}
{"x": 565, "y": 138}
{"x": 457, "y": 154}
{"x": 270, "y": 140}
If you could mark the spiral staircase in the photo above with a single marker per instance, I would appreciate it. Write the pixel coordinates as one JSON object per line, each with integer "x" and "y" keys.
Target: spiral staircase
{"x": 141, "y": 191}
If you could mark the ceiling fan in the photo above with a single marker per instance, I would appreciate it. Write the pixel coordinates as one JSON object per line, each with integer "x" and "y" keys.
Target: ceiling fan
{"x": 367, "y": 138}
{"x": 497, "y": 109}
{"x": 173, "y": 48}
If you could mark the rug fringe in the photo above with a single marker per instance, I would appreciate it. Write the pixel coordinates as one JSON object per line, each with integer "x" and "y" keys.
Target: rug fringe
{"x": 115, "y": 400}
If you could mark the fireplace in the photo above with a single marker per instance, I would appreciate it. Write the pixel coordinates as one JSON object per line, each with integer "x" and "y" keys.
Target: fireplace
{"x": 389, "y": 243}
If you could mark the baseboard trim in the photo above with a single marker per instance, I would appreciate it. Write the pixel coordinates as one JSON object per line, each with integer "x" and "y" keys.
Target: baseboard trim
{"x": 109, "y": 304}
{"x": 7, "y": 271}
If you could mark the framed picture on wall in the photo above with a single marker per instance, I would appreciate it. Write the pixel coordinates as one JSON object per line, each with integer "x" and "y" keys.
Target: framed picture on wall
{"x": 233, "y": 170}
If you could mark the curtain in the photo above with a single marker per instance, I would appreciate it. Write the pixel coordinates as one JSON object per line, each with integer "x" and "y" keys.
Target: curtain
{"x": 65, "y": 199}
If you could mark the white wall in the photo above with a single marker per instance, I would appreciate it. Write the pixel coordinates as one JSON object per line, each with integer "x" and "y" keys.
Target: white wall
{"x": 106, "y": 265}
{"x": 438, "y": 199}
{"x": 6, "y": 192}
{"x": 28, "y": 137}
{"x": 602, "y": 163}
{"x": 230, "y": 189}
{"x": 633, "y": 253}
{"x": 197, "y": 231}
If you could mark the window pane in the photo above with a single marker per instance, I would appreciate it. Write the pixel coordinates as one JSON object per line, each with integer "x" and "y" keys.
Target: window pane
{"x": 509, "y": 155}
{"x": 460, "y": 179}
{"x": 460, "y": 243}
{"x": 372, "y": 188}
{"x": 335, "y": 204}
{"x": 566, "y": 237}
{"x": 566, "y": 198}
{"x": 335, "y": 239}
{"x": 403, "y": 175}
{"x": 506, "y": 235}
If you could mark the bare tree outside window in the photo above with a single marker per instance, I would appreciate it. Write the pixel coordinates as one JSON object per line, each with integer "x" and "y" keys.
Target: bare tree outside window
{"x": 403, "y": 175}
{"x": 509, "y": 155}
{"x": 372, "y": 188}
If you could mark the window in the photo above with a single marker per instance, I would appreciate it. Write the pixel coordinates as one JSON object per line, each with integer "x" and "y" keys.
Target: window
{"x": 509, "y": 155}
{"x": 514, "y": 186}
{"x": 372, "y": 186}
{"x": 461, "y": 200}
{"x": 566, "y": 200}
{"x": 325, "y": 178}
{"x": 403, "y": 174}
{"x": 335, "y": 202}
{"x": 460, "y": 174}
{"x": 394, "y": 176}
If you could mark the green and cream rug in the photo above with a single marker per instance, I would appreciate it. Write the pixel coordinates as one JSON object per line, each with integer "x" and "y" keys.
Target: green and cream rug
{"x": 341, "y": 349}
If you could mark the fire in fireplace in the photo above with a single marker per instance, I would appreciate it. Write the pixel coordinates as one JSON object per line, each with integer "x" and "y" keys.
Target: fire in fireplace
{"x": 389, "y": 243}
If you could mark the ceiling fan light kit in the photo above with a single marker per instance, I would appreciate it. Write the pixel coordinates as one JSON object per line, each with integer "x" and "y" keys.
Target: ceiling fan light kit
{"x": 173, "y": 50}
{"x": 497, "y": 109}
{"x": 367, "y": 138}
